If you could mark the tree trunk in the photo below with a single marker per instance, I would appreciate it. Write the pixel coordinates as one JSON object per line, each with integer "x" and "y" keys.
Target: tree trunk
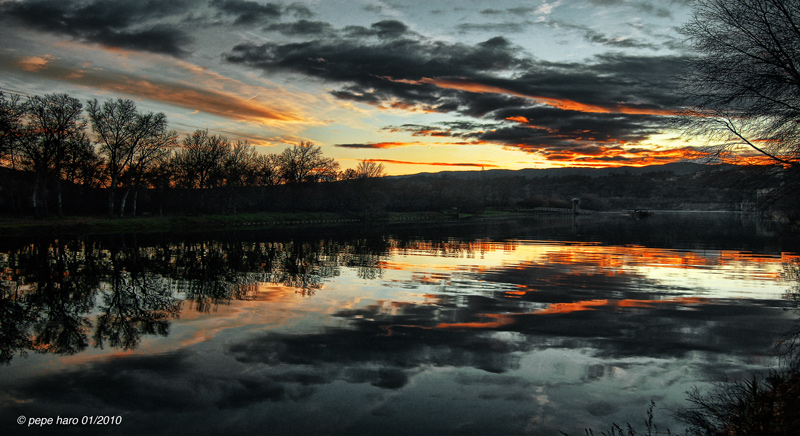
{"x": 135, "y": 200}
{"x": 111, "y": 197}
{"x": 59, "y": 198}
{"x": 34, "y": 196}
{"x": 122, "y": 201}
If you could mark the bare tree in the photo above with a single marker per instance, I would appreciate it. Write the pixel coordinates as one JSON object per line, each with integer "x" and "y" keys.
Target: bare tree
{"x": 11, "y": 113}
{"x": 82, "y": 164}
{"x": 368, "y": 169}
{"x": 743, "y": 82}
{"x": 305, "y": 163}
{"x": 267, "y": 170}
{"x": 240, "y": 166}
{"x": 199, "y": 163}
{"x": 123, "y": 132}
{"x": 151, "y": 151}
{"x": 53, "y": 125}
{"x": 348, "y": 174}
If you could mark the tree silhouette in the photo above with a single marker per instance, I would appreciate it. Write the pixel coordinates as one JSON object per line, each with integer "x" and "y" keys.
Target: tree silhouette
{"x": 53, "y": 125}
{"x": 743, "y": 84}
{"x": 368, "y": 169}
{"x": 305, "y": 163}
{"x": 123, "y": 133}
{"x": 11, "y": 113}
{"x": 200, "y": 160}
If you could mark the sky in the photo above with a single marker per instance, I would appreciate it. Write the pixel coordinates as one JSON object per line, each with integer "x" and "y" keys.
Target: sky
{"x": 420, "y": 86}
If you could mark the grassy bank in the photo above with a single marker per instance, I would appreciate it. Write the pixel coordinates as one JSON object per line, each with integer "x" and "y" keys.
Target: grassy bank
{"x": 99, "y": 225}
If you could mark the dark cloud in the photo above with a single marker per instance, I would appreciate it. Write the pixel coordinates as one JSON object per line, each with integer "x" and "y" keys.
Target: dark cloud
{"x": 510, "y": 11}
{"x": 545, "y": 106}
{"x": 302, "y": 28}
{"x": 120, "y": 23}
{"x": 353, "y": 60}
{"x": 373, "y": 145}
{"x": 368, "y": 68}
{"x": 654, "y": 8}
{"x": 386, "y": 29}
{"x": 504, "y": 27}
{"x": 158, "y": 39}
{"x": 364, "y": 145}
{"x": 651, "y": 9}
{"x": 597, "y": 37}
{"x": 381, "y": 71}
{"x": 552, "y": 128}
{"x": 454, "y": 129}
{"x": 299, "y": 10}
{"x": 249, "y": 12}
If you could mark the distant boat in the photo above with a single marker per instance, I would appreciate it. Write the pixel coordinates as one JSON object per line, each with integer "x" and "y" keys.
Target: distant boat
{"x": 640, "y": 213}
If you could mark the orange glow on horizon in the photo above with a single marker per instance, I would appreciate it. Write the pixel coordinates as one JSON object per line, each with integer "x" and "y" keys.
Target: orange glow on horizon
{"x": 605, "y": 157}
{"x": 438, "y": 164}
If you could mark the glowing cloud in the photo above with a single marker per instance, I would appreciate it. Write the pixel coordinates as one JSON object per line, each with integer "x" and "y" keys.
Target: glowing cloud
{"x": 34, "y": 63}
{"x": 441, "y": 164}
{"x": 560, "y": 103}
{"x": 205, "y": 92}
{"x": 377, "y": 145}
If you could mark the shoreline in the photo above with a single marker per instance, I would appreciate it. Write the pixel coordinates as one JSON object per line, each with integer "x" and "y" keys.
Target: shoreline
{"x": 182, "y": 223}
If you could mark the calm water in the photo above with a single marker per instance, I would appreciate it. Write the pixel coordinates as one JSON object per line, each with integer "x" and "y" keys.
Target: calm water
{"x": 508, "y": 327}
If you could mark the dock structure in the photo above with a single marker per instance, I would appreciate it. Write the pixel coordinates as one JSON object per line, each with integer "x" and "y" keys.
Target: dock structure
{"x": 554, "y": 210}
{"x": 640, "y": 213}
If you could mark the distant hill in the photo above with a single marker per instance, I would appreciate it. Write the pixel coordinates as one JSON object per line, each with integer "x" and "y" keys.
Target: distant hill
{"x": 678, "y": 168}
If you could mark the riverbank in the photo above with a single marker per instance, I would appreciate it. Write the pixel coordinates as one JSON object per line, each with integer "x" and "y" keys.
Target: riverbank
{"x": 97, "y": 225}
{"x": 183, "y": 223}
{"x": 198, "y": 223}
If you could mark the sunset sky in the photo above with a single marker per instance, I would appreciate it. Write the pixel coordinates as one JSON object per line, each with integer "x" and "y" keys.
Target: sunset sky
{"x": 418, "y": 85}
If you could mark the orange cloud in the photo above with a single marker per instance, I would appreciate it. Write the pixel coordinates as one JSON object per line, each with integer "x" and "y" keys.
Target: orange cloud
{"x": 615, "y": 156}
{"x": 519, "y": 119}
{"x": 441, "y": 164}
{"x": 217, "y": 103}
{"x": 561, "y": 103}
{"x": 201, "y": 93}
{"x": 378, "y": 145}
{"x": 34, "y": 63}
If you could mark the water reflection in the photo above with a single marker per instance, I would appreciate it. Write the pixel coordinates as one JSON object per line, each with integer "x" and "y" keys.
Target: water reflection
{"x": 56, "y": 294}
{"x": 495, "y": 329}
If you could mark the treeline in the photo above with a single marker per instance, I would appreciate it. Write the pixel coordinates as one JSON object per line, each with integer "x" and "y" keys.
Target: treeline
{"x": 59, "y": 157}
{"x": 58, "y": 154}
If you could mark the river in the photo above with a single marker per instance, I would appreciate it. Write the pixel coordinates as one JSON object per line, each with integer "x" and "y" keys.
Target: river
{"x": 524, "y": 326}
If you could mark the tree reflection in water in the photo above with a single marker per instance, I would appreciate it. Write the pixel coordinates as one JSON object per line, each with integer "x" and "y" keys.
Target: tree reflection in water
{"x": 537, "y": 327}
{"x": 57, "y": 293}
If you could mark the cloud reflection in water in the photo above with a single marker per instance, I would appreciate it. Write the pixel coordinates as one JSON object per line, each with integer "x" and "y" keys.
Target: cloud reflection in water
{"x": 396, "y": 336}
